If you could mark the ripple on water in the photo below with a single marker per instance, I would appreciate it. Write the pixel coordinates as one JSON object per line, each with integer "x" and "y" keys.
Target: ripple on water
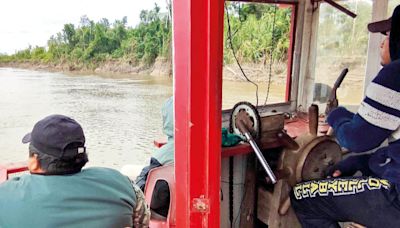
{"x": 120, "y": 117}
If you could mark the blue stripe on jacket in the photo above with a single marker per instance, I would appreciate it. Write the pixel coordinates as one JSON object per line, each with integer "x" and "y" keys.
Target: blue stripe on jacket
{"x": 382, "y": 107}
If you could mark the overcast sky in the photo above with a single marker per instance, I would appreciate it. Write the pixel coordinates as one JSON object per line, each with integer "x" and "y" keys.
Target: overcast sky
{"x": 32, "y": 22}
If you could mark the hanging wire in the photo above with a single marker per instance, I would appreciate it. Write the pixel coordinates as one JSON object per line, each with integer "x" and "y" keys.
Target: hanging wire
{"x": 234, "y": 53}
{"x": 271, "y": 54}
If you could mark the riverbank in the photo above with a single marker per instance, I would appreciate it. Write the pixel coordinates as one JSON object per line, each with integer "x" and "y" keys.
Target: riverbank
{"x": 161, "y": 68}
{"x": 259, "y": 73}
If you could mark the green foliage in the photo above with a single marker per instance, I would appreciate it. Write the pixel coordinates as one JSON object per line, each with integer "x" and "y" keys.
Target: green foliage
{"x": 6, "y": 58}
{"x": 252, "y": 26}
{"x": 90, "y": 43}
{"x": 337, "y": 31}
{"x": 24, "y": 54}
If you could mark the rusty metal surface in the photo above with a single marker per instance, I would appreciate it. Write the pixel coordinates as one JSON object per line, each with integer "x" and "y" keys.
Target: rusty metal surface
{"x": 314, "y": 156}
{"x": 245, "y": 122}
{"x": 321, "y": 157}
{"x": 245, "y": 113}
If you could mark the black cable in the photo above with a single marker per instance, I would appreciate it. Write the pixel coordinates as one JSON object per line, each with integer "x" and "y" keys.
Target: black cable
{"x": 271, "y": 54}
{"x": 231, "y": 190}
{"x": 234, "y": 53}
{"x": 243, "y": 196}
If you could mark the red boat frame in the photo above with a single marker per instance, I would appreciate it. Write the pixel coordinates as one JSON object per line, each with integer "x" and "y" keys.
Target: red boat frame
{"x": 197, "y": 60}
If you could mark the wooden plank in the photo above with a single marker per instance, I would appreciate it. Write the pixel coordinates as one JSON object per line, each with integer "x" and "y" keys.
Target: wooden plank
{"x": 275, "y": 220}
{"x": 247, "y": 211}
{"x": 273, "y": 122}
{"x": 263, "y": 204}
{"x": 273, "y": 217}
{"x": 263, "y": 110}
{"x": 308, "y": 55}
{"x": 280, "y": 193}
{"x": 297, "y": 55}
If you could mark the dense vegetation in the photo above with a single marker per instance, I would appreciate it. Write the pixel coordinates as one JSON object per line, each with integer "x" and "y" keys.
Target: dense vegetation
{"x": 93, "y": 42}
{"x": 337, "y": 31}
{"x": 258, "y": 31}
{"x": 254, "y": 35}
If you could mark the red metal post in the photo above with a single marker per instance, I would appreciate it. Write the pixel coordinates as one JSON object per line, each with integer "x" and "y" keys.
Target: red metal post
{"x": 198, "y": 43}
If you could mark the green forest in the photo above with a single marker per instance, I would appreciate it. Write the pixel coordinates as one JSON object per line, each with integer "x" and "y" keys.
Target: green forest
{"x": 91, "y": 43}
{"x": 254, "y": 34}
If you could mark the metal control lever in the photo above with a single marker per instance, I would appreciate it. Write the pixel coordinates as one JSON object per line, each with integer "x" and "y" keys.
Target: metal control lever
{"x": 332, "y": 100}
{"x": 257, "y": 150}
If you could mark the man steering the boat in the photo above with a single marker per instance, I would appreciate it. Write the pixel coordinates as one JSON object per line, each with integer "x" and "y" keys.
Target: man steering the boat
{"x": 59, "y": 193}
{"x": 373, "y": 199}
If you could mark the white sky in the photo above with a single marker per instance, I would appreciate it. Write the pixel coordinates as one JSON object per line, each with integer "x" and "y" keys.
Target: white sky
{"x": 32, "y": 22}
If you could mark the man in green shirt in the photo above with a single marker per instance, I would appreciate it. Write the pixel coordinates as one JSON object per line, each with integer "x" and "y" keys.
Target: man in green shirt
{"x": 59, "y": 193}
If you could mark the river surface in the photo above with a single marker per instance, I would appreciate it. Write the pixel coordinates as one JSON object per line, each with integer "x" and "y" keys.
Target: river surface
{"x": 120, "y": 114}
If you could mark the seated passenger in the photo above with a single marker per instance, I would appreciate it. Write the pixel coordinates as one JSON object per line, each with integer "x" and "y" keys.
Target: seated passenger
{"x": 59, "y": 193}
{"x": 162, "y": 156}
{"x": 165, "y": 156}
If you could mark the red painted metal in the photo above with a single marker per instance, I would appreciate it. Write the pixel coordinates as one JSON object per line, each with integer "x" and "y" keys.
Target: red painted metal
{"x": 16, "y": 167}
{"x": 245, "y": 148}
{"x": 165, "y": 173}
{"x": 198, "y": 43}
{"x": 11, "y": 168}
{"x": 159, "y": 143}
{"x": 292, "y": 33}
{"x": 268, "y": 1}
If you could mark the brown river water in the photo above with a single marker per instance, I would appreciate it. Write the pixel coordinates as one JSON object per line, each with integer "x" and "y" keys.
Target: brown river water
{"x": 120, "y": 114}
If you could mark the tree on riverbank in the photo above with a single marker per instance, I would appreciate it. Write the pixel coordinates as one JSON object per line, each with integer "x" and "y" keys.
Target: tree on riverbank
{"x": 94, "y": 42}
{"x": 91, "y": 43}
{"x": 259, "y": 31}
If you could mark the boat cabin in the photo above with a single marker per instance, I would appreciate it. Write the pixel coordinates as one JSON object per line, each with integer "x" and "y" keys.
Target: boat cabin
{"x": 213, "y": 186}
{"x": 205, "y": 184}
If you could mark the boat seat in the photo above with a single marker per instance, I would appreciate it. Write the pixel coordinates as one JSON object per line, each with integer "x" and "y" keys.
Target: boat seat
{"x": 165, "y": 173}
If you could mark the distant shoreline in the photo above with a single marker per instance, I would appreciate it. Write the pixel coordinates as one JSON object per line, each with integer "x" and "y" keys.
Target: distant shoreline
{"x": 161, "y": 68}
